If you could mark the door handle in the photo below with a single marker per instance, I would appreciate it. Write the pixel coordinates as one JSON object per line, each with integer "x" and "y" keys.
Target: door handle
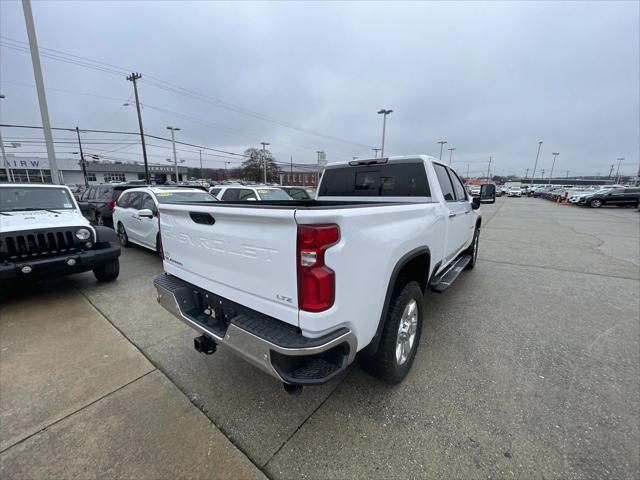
{"x": 466, "y": 212}
{"x": 451, "y": 215}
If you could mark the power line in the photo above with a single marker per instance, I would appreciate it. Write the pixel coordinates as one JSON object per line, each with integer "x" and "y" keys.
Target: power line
{"x": 167, "y": 86}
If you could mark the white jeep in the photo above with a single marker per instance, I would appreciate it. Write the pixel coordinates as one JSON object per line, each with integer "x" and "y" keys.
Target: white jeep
{"x": 43, "y": 234}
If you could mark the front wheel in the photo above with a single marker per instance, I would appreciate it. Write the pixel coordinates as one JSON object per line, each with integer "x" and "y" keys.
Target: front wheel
{"x": 400, "y": 336}
{"x": 107, "y": 272}
{"x": 122, "y": 236}
{"x": 595, "y": 203}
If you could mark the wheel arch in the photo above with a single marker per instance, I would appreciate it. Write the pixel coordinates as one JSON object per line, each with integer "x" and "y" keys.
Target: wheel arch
{"x": 414, "y": 265}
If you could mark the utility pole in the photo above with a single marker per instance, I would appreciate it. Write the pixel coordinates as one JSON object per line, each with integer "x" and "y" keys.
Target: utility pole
{"x": 441, "y": 142}
{"x": 620, "y": 159}
{"x": 291, "y": 171}
{"x": 555, "y": 155}
{"x": 264, "y": 159}
{"x": 467, "y": 170}
{"x": 489, "y": 169}
{"x": 42, "y": 98}
{"x": 543, "y": 174}
{"x": 611, "y": 170}
{"x": 5, "y": 161}
{"x": 201, "y": 163}
{"x": 451, "y": 154}
{"x": 567, "y": 174}
{"x": 84, "y": 167}
{"x": 173, "y": 142}
{"x": 526, "y": 175}
{"x": 375, "y": 152}
{"x": 535, "y": 165}
{"x": 384, "y": 114}
{"x": 133, "y": 78}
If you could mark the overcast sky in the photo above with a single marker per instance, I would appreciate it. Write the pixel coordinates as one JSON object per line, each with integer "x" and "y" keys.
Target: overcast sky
{"x": 489, "y": 78}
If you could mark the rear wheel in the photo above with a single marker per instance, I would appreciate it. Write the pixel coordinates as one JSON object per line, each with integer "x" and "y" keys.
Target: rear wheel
{"x": 107, "y": 272}
{"x": 473, "y": 250}
{"x": 400, "y": 336}
{"x": 122, "y": 236}
{"x": 595, "y": 203}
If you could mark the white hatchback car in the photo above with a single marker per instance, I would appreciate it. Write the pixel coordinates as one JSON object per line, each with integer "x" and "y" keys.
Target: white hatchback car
{"x": 248, "y": 193}
{"x": 135, "y": 216}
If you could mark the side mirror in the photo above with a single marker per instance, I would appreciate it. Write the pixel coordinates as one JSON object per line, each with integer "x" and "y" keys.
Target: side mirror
{"x": 145, "y": 213}
{"x": 488, "y": 193}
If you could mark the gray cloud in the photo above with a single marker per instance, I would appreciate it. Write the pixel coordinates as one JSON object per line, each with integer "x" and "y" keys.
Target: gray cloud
{"x": 491, "y": 79}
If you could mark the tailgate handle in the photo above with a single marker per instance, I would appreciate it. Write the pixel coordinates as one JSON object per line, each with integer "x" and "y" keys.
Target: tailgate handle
{"x": 202, "y": 218}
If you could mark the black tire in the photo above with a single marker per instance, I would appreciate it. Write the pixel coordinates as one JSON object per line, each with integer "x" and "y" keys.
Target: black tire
{"x": 123, "y": 238}
{"x": 159, "y": 246}
{"x": 595, "y": 203}
{"x": 384, "y": 365}
{"x": 107, "y": 272}
{"x": 473, "y": 250}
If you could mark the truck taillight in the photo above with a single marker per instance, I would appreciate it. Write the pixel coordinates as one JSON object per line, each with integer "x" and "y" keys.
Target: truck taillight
{"x": 316, "y": 281}
{"x": 112, "y": 204}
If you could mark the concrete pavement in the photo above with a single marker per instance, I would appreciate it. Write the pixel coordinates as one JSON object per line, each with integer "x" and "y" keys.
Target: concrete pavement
{"x": 528, "y": 368}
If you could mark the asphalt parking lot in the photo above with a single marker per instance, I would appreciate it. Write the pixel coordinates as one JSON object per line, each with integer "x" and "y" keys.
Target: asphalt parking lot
{"x": 528, "y": 368}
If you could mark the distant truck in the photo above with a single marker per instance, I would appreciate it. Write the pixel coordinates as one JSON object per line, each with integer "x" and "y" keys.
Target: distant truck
{"x": 43, "y": 234}
{"x": 298, "y": 287}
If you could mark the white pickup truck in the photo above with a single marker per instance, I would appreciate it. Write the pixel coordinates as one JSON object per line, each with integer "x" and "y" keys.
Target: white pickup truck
{"x": 297, "y": 288}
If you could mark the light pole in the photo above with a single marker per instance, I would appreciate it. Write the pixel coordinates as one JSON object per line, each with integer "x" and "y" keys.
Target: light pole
{"x": 375, "y": 152}
{"x": 451, "y": 154}
{"x": 620, "y": 159}
{"x": 264, "y": 159}
{"x": 384, "y": 113}
{"x": 173, "y": 142}
{"x": 533, "y": 175}
{"x": 4, "y": 155}
{"x": 555, "y": 154}
{"x": 176, "y": 162}
{"x": 442, "y": 143}
{"x": 225, "y": 170}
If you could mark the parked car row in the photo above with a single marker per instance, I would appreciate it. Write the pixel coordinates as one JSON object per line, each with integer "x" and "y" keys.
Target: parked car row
{"x": 590, "y": 197}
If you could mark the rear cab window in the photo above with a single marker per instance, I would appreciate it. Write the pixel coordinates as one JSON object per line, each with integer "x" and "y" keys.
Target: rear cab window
{"x": 379, "y": 180}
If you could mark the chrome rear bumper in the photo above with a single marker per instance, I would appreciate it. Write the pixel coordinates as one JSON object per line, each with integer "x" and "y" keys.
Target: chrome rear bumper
{"x": 272, "y": 346}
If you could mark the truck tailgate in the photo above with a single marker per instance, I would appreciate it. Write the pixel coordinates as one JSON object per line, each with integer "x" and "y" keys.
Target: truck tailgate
{"x": 246, "y": 255}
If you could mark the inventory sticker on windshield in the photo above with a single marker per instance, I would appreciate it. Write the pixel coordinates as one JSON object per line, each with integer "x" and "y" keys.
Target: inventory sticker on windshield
{"x": 263, "y": 190}
{"x": 164, "y": 194}
{"x": 67, "y": 205}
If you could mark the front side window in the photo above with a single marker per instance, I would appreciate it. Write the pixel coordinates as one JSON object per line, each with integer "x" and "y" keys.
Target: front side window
{"x": 445, "y": 182}
{"x": 134, "y": 200}
{"x": 123, "y": 200}
{"x": 458, "y": 187}
{"x": 147, "y": 203}
{"x": 246, "y": 194}
{"x": 25, "y": 198}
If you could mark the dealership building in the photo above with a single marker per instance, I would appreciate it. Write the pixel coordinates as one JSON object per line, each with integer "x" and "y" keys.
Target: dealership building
{"x": 23, "y": 169}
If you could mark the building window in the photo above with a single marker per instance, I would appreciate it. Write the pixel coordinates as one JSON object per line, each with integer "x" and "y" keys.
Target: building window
{"x": 19, "y": 175}
{"x": 91, "y": 177}
{"x": 114, "y": 177}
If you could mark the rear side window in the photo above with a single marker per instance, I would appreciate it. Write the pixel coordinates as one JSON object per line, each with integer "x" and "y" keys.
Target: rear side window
{"x": 385, "y": 180}
{"x": 215, "y": 191}
{"x": 123, "y": 200}
{"x": 231, "y": 194}
{"x": 445, "y": 182}
{"x": 104, "y": 193}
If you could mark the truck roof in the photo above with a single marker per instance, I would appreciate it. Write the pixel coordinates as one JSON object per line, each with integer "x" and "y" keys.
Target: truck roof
{"x": 394, "y": 159}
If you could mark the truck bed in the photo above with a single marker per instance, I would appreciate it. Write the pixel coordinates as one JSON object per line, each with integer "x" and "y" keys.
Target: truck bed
{"x": 297, "y": 204}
